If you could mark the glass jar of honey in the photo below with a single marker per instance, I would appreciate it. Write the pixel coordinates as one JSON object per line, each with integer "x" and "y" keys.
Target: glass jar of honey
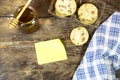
{"x": 28, "y": 22}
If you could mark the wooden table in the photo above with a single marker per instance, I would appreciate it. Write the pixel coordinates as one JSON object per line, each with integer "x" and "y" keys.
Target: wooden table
{"x": 17, "y": 53}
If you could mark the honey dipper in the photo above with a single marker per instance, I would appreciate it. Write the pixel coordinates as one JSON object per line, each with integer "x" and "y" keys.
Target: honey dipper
{"x": 15, "y": 21}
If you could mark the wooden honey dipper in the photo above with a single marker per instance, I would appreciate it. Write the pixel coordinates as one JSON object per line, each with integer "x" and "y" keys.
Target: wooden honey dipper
{"x": 15, "y": 21}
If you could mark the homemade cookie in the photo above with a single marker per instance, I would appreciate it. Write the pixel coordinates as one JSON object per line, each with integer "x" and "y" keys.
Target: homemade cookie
{"x": 79, "y": 36}
{"x": 88, "y": 13}
{"x": 65, "y": 8}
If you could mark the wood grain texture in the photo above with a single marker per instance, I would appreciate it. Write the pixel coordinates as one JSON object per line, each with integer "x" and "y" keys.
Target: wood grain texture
{"x": 8, "y": 7}
{"x": 17, "y": 54}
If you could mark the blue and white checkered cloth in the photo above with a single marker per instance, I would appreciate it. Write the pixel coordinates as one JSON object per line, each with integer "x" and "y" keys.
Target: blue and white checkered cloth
{"x": 102, "y": 57}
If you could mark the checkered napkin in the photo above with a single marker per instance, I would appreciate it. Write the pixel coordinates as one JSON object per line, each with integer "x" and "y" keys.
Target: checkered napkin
{"x": 102, "y": 57}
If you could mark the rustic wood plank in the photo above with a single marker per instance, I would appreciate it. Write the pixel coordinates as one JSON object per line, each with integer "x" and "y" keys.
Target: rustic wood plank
{"x": 17, "y": 53}
{"x": 8, "y": 7}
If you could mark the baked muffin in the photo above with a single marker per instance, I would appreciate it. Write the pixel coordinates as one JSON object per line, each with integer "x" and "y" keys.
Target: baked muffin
{"x": 65, "y": 8}
{"x": 88, "y": 13}
{"x": 79, "y": 36}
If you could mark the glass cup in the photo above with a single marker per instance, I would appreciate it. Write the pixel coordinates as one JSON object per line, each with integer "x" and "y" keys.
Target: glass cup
{"x": 28, "y": 22}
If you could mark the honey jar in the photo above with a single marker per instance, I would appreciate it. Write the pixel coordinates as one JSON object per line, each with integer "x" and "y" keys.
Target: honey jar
{"x": 28, "y": 22}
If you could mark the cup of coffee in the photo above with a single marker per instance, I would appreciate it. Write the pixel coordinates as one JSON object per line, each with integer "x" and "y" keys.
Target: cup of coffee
{"x": 28, "y": 22}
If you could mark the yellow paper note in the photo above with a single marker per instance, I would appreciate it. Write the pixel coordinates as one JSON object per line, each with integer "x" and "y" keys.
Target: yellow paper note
{"x": 50, "y": 51}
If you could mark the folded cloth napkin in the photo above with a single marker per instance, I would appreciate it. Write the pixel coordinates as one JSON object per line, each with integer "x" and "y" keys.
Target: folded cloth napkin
{"x": 102, "y": 57}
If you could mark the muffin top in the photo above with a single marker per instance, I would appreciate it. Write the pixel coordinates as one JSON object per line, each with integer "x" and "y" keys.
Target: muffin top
{"x": 88, "y": 13}
{"x": 79, "y": 36}
{"x": 65, "y": 7}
